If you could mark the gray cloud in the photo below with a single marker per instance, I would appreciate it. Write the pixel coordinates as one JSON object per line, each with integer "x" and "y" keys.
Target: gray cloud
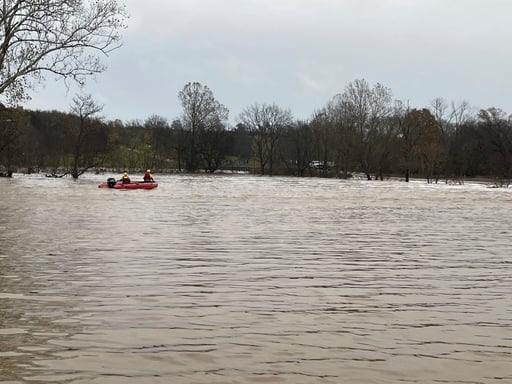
{"x": 300, "y": 53}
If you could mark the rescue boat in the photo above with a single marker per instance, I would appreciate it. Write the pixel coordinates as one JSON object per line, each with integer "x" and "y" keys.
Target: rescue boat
{"x": 113, "y": 183}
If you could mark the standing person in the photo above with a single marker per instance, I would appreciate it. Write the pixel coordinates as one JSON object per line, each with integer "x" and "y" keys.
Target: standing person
{"x": 148, "y": 177}
{"x": 125, "y": 179}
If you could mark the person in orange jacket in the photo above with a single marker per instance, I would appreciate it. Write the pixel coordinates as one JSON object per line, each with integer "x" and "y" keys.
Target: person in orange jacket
{"x": 148, "y": 177}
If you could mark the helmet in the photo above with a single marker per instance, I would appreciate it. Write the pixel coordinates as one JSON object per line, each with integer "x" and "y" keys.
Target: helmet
{"x": 149, "y": 171}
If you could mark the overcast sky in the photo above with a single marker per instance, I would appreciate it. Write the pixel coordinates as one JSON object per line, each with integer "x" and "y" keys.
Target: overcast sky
{"x": 300, "y": 53}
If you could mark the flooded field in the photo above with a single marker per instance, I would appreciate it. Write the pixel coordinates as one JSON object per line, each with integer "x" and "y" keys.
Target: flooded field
{"x": 242, "y": 279}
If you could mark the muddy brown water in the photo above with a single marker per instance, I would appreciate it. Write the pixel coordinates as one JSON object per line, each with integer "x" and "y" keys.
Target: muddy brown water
{"x": 242, "y": 279}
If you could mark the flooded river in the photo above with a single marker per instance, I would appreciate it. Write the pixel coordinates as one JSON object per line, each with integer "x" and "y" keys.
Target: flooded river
{"x": 242, "y": 279}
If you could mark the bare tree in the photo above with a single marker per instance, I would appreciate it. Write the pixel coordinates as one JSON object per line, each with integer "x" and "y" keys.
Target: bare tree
{"x": 267, "y": 123}
{"x": 368, "y": 107}
{"x": 498, "y": 133}
{"x": 407, "y": 135}
{"x": 420, "y": 141}
{"x": 324, "y": 129}
{"x": 439, "y": 109}
{"x": 430, "y": 149}
{"x": 179, "y": 146}
{"x": 297, "y": 147}
{"x": 451, "y": 118}
{"x": 66, "y": 38}
{"x": 86, "y": 145}
{"x": 9, "y": 138}
{"x": 338, "y": 111}
{"x": 201, "y": 113}
{"x": 213, "y": 147}
{"x": 161, "y": 140}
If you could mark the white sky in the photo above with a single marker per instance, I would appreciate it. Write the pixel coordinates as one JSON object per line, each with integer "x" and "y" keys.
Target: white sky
{"x": 300, "y": 53}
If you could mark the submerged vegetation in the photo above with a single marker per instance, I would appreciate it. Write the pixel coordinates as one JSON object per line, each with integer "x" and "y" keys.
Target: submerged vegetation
{"x": 361, "y": 131}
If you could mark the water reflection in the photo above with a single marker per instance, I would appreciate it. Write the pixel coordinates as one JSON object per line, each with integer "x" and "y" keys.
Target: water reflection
{"x": 247, "y": 279}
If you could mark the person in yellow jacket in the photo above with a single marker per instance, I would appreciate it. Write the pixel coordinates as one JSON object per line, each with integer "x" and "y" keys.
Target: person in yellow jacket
{"x": 125, "y": 179}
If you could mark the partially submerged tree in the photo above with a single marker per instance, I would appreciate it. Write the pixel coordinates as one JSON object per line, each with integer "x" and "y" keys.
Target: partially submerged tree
{"x": 88, "y": 137}
{"x": 161, "y": 140}
{"x": 202, "y": 114}
{"x": 10, "y": 120}
{"x": 496, "y": 130}
{"x": 368, "y": 108}
{"x": 267, "y": 123}
{"x": 66, "y": 38}
{"x": 451, "y": 120}
{"x": 297, "y": 147}
{"x": 421, "y": 143}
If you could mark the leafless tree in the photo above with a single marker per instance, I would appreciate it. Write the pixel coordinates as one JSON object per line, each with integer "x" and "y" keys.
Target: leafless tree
{"x": 86, "y": 145}
{"x": 498, "y": 132}
{"x": 451, "y": 118}
{"x": 408, "y": 137}
{"x": 343, "y": 136}
{"x": 9, "y": 137}
{"x": 66, "y": 38}
{"x": 201, "y": 112}
{"x": 326, "y": 132}
{"x": 161, "y": 140}
{"x": 368, "y": 108}
{"x": 267, "y": 123}
{"x": 420, "y": 142}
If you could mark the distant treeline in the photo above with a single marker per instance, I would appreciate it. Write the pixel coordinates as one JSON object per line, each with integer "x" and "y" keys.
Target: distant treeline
{"x": 361, "y": 131}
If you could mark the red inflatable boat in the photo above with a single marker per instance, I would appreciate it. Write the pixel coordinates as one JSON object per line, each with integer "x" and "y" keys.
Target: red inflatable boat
{"x": 113, "y": 183}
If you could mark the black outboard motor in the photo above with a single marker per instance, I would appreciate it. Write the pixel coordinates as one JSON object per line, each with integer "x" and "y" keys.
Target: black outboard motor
{"x": 111, "y": 182}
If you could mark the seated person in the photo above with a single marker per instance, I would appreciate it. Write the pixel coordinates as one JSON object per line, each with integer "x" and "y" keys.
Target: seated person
{"x": 148, "y": 177}
{"x": 125, "y": 179}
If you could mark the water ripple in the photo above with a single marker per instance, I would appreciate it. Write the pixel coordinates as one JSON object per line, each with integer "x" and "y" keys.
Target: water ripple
{"x": 213, "y": 279}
